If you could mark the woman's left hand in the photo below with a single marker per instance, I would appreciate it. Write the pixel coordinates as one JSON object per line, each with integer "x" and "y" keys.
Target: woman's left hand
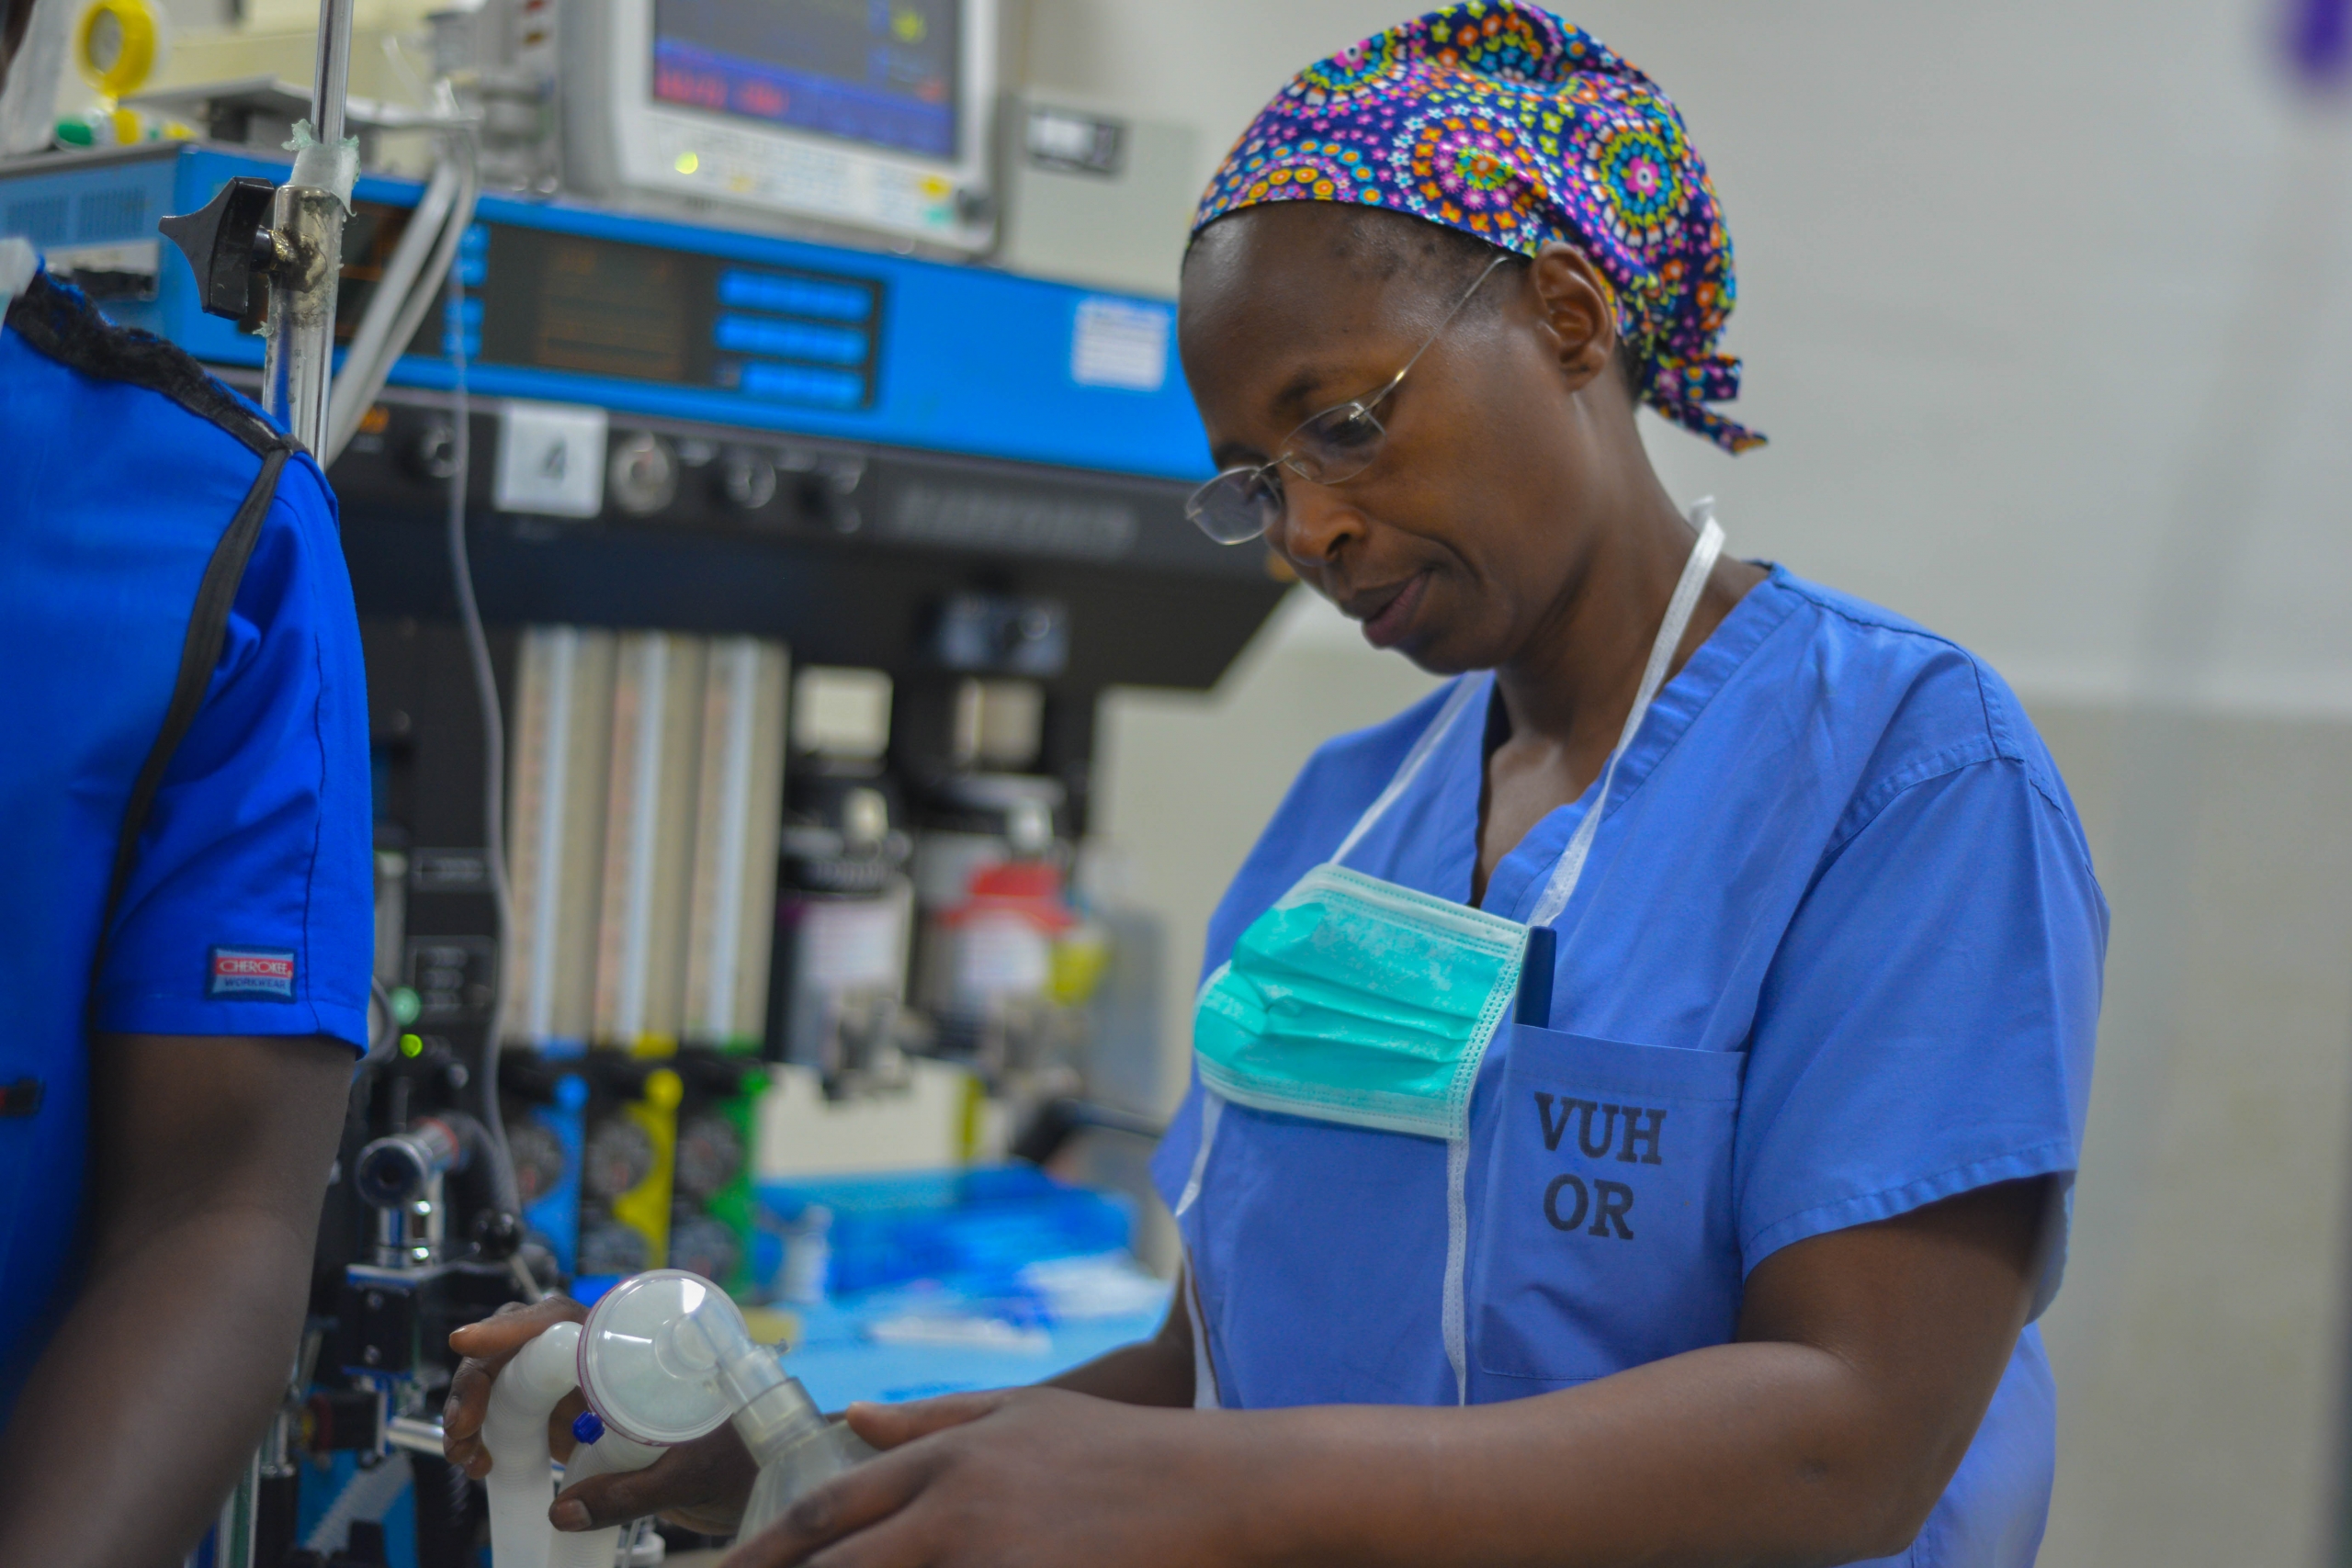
{"x": 1019, "y": 1478}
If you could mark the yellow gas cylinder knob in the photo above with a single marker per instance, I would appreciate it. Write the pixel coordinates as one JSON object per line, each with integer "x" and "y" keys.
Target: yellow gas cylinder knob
{"x": 664, "y": 1088}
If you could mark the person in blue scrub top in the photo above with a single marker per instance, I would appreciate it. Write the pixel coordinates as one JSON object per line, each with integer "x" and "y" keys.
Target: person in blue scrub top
{"x": 1637, "y": 1088}
{"x": 185, "y": 938}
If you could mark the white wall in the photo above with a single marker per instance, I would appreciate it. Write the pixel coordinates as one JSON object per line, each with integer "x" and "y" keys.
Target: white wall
{"x": 2199, "y": 1342}
{"x": 2045, "y": 308}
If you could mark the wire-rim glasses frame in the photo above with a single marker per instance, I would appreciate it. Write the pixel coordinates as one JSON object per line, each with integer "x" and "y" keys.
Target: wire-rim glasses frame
{"x": 1331, "y": 447}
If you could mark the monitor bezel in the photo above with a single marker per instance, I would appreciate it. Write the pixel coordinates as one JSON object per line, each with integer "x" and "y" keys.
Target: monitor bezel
{"x": 627, "y": 150}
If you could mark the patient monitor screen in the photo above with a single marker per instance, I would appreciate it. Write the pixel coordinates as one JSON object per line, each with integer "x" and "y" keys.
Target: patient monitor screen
{"x": 881, "y": 73}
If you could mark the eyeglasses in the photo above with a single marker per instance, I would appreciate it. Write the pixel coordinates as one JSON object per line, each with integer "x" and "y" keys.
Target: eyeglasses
{"x": 1241, "y": 503}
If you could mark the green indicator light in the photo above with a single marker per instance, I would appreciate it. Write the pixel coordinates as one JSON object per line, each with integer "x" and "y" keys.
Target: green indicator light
{"x": 410, "y": 1046}
{"x": 405, "y": 1005}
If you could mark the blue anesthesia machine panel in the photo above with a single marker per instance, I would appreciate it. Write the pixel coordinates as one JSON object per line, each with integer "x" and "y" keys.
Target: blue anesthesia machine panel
{"x": 569, "y": 304}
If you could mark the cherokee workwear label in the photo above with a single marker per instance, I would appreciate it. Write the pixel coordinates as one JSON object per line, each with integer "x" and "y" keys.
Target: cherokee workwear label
{"x": 252, "y": 974}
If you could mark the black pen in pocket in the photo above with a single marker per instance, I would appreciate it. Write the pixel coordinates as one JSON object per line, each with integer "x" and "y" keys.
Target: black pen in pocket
{"x": 1535, "y": 978}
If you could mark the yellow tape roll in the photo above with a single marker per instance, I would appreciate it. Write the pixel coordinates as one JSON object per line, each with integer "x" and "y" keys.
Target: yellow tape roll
{"x": 117, "y": 45}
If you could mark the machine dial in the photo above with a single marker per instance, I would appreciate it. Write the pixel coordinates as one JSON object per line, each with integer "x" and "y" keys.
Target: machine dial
{"x": 619, "y": 1155}
{"x": 747, "y": 479}
{"x": 434, "y": 454}
{"x": 642, "y": 475}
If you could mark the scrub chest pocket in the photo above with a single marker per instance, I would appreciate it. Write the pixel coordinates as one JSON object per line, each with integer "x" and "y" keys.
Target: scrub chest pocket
{"x": 1605, "y": 1238}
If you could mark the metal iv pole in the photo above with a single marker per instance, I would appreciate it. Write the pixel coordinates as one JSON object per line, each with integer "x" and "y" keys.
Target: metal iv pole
{"x": 277, "y": 250}
{"x": 306, "y": 248}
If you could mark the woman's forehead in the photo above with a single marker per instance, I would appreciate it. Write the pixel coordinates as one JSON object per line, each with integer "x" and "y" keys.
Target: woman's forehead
{"x": 1319, "y": 249}
{"x": 1273, "y": 314}
{"x": 1267, "y": 365}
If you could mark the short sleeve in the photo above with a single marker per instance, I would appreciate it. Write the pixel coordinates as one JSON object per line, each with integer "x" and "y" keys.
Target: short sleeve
{"x": 1927, "y": 1025}
{"x": 249, "y": 910}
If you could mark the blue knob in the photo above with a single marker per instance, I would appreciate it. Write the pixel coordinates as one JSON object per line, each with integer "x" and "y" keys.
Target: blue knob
{"x": 587, "y": 1427}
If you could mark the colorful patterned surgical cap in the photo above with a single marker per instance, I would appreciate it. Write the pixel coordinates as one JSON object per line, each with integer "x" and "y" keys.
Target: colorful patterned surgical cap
{"x": 1502, "y": 121}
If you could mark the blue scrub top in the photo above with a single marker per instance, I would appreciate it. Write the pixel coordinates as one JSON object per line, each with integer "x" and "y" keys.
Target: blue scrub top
{"x": 1835, "y": 954}
{"x": 250, "y": 909}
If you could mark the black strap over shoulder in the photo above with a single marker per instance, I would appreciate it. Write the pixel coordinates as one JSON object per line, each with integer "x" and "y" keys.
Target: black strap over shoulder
{"x": 207, "y": 628}
{"x": 63, "y": 326}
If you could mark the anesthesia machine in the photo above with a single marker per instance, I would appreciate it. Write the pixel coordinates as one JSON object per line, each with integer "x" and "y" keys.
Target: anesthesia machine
{"x": 744, "y": 533}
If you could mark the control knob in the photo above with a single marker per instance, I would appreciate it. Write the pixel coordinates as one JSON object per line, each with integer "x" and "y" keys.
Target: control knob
{"x": 643, "y": 474}
{"x": 747, "y": 479}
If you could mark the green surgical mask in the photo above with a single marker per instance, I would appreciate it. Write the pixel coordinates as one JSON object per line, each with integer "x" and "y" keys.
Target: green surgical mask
{"x": 1355, "y": 1000}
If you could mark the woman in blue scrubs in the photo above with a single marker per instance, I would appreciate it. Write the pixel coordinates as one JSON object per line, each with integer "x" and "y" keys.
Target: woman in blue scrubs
{"x": 1636, "y": 1088}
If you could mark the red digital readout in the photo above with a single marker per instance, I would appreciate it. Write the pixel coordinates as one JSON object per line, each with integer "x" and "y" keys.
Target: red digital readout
{"x": 704, "y": 89}
{"x": 763, "y": 99}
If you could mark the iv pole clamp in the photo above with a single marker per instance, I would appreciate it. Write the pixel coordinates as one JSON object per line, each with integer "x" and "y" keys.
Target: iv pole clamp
{"x": 297, "y": 255}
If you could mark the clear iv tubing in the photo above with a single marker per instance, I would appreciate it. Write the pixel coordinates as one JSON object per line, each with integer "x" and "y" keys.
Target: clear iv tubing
{"x": 493, "y": 721}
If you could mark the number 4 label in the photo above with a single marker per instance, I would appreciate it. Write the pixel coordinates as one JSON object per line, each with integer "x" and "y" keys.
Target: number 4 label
{"x": 551, "y": 461}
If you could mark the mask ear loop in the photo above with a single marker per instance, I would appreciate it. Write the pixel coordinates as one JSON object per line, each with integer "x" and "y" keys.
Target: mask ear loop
{"x": 1206, "y": 1393}
{"x": 1454, "y": 1313}
{"x": 1204, "y": 1389}
{"x": 1457, "y": 1247}
{"x": 1464, "y": 688}
{"x": 1212, "y": 1112}
{"x": 1204, "y": 1371}
{"x": 1564, "y": 876}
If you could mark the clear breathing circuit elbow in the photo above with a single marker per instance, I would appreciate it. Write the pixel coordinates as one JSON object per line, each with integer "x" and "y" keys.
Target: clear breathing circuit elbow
{"x": 515, "y": 1431}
